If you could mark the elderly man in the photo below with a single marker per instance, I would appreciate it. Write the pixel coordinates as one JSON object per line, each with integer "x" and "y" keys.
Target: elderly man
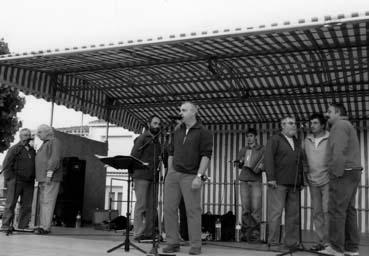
{"x": 49, "y": 175}
{"x": 19, "y": 174}
{"x": 284, "y": 172}
{"x": 188, "y": 160}
{"x": 344, "y": 168}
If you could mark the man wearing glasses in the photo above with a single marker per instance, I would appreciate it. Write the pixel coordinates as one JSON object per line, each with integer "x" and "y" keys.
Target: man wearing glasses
{"x": 284, "y": 172}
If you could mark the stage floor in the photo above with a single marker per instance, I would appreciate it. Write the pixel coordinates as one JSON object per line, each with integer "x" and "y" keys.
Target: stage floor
{"x": 91, "y": 242}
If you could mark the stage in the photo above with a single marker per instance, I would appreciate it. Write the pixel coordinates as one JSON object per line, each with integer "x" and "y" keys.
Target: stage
{"x": 91, "y": 242}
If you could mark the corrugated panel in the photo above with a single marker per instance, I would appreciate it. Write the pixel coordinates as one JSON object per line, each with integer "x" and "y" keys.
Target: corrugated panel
{"x": 218, "y": 195}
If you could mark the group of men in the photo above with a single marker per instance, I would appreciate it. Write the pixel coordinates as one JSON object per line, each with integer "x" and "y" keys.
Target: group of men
{"x": 328, "y": 162}
{"x": 22, "y": 165}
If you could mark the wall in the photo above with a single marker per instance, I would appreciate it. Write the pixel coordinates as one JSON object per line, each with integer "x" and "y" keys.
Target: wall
{"x": 85, "y": 149}
{"x": 219, "y": 196}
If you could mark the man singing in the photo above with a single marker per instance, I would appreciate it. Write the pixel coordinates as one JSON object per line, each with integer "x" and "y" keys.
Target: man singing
{"x": 188, "y": 160}
{"x": 147, "y": 149}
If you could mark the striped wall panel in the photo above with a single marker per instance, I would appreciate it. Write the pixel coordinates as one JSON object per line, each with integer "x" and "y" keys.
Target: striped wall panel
{"x": 218, "y": 195}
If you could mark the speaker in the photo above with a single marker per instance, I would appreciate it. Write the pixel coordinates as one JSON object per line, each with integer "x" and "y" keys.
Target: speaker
{"x": 71, "y": 192}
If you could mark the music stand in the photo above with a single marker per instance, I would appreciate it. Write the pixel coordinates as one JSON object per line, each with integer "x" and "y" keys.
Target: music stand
{"x": 130, "y": 163}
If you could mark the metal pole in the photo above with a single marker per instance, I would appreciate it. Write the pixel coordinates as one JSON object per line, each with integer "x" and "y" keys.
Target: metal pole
{"x": 52, "y": 113}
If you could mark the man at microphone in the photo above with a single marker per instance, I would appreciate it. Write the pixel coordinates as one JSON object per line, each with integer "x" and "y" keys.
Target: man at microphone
{"x": 147, "y": 149}
{"x": 188, "y": 160}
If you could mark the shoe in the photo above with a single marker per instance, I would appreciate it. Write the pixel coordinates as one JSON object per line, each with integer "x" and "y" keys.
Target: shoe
{"x": 170, "y": 248}
{"x": 317, "y": 247}
{"x": 25, "y": 229}
{"x": 348, "y": 253}
{"x": 194, "y": 251}
{"x": 330, "y": 251}
{"x": 41, "y": 231}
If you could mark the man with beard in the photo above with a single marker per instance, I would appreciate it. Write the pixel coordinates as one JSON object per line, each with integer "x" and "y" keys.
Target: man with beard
{"x": 188, "y": 160}
{"x": 147, "y": 149}
{"x": 19, "y": 175}
{"x": 284, "y": 172}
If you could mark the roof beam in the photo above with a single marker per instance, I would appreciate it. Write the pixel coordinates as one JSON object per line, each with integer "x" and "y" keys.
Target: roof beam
{"x": 205, "y": 58}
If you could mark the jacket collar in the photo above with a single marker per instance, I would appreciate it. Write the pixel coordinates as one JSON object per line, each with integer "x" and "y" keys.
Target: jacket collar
{"x": 311, "y": 136}
{"x": 197, "y": 125}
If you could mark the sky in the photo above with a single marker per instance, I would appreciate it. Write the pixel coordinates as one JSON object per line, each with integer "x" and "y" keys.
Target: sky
{"x": 44, "y": 24}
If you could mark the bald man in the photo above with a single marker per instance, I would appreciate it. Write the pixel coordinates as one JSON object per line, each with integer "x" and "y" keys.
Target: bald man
{"x": 188, "y": 160}
{"x": 49, "y": 175}
{"x": 19, "y": 175}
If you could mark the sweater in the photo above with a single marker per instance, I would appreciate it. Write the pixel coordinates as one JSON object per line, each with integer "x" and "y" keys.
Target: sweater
{"x": 188, "y": 149}
{"x": 144, "y": 148}
{"x": 343, "y": 151}
{"x": 315, "y": 159}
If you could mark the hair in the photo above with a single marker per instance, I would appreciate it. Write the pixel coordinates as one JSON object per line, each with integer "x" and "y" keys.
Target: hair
{"x": 287, "y": 116}
{"x": 46, "y": 128}
{"x": 195, "y": 106}
{"x": 320, "y": 117}
{"x": 252, "y": 131}
{"x": 24, "y": 130}
{"x": 339, "y": 107}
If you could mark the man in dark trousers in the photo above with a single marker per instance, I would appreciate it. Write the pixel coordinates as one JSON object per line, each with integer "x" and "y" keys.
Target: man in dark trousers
{"x": 284, "y": 173}
{"x": 146, "y": 148}
{"x": 19, "y": 175}
{"x": 251, "y": 159}
{"x": 188, "y": 160}
{"x": 344, "y": 168}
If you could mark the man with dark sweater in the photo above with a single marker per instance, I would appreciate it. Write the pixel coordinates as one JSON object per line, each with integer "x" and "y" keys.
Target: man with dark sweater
{"x": 19, "y": 175}
{"x": 188, "y": 160}
{"x": 284, "y": 173}
{"x": 251, "y": 160}
{"x": 146, "y": 148}
{"x": 344, "y": 168}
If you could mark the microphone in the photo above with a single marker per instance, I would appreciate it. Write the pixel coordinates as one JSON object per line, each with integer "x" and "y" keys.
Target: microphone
{"x": 176, "y": 117}
{"x": 205, "y": 178}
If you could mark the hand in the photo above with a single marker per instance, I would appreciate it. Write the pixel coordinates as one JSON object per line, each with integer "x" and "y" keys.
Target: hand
{"x": 272, "y": 183}
{"x": 49, "y": 175}
{"x": 196, "y": 183}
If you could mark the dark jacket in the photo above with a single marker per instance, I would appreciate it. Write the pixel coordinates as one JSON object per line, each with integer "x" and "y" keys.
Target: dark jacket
{"x": 283, "y": 164}
{"x": 343, "y": 149}
{"x": 253, "y": 172}
{"x": 19, "y": 163}
{"x": 146, "y": 154}
{"x": 49, "y": 158}
{"x": 187, "y": 150}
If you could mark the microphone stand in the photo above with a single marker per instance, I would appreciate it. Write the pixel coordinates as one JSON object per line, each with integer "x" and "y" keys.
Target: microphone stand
{"x": 155, "y": 231}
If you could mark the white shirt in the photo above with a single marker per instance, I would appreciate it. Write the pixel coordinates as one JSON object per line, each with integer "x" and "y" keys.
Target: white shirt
{"x": 290, "y": 140}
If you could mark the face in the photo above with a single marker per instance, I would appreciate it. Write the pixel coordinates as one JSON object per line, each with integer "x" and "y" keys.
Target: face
{"x": 332, "y": 114}
{"x": 289, "y": 126}
{"x": 25, "y": 136}
{"x": 155, "y": 125}
{"x": 250, "y": 138}
{"x": 42, "y": 134}
{"x": 187, "y": 111}
{"x": 315, "y": 126}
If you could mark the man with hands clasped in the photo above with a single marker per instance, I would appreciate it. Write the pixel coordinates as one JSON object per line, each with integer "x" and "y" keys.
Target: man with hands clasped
{"x": 189, "y": 156}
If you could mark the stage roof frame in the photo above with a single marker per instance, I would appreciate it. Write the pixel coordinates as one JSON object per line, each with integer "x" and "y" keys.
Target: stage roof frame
{"x": 245, "y": 75}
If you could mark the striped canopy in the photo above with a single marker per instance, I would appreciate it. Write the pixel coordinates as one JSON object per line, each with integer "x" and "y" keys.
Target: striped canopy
{"x": 246, "y": 75}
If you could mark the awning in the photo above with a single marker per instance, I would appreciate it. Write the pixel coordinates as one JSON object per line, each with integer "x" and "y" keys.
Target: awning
{"x": 245, "y": 75}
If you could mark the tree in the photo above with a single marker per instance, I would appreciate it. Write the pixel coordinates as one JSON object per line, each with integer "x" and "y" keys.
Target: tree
{"x": 10, "y": 104}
